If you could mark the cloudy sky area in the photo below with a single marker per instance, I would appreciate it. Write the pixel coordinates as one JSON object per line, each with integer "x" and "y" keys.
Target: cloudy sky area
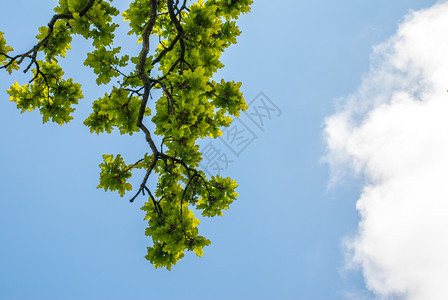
{"x": 343, "y": 190}
{"x": 393, "y": 131}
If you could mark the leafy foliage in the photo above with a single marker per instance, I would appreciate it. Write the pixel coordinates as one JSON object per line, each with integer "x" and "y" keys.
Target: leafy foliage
{"x": 190, "y": 39}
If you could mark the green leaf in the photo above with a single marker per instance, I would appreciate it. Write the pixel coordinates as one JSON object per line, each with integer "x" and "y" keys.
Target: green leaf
{"x": 173, "y": 70}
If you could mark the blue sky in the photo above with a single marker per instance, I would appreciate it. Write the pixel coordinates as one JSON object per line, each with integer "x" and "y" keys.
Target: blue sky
{"x": 284, "y": 237}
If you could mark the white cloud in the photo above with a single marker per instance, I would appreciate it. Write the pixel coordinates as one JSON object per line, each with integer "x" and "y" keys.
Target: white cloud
{"x": 394, "y": 132}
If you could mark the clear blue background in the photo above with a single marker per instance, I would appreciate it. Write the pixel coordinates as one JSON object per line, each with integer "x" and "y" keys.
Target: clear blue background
{"x": 61, "y": 238}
